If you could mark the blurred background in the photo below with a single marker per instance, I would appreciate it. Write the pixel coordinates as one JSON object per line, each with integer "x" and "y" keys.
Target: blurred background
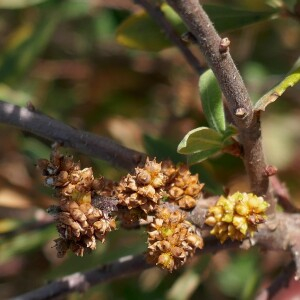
{"x": 63, "y": 57}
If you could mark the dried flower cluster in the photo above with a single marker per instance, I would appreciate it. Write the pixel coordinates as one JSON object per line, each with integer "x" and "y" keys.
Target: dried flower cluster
{"x": 141, "y": 193}
{"x": 153, "y": 194}
{"x": 236, "y": 216}
{"x": 83, "y": 214}
{"x": 171, "y": 239}
{"x": 182, "y": 187}
{"x": 143, "y": 189}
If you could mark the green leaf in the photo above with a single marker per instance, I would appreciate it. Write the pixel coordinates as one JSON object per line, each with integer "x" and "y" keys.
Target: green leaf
{"x": 201, "y": 143}
{"x": 200, "y": 156}
{"x": 200, "y": 139}
{"x": 289, "y": 81}
{"x": 24, "y": 46}
{"x": 211, "y": 98}
{"x": 141, "y": 32}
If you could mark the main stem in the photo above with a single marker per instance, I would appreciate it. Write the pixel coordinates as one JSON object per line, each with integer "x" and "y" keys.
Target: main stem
{"x": 233, "y": 88}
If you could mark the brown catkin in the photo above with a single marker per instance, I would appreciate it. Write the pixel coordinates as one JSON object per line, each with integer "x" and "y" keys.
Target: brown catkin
{"x": 171, "y": 239}
{"x": 84, "y": 214}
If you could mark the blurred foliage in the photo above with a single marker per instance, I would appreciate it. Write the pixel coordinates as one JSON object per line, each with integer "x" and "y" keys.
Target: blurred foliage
{"x": 225, "y": 18}
{"x": 63, "y": 57}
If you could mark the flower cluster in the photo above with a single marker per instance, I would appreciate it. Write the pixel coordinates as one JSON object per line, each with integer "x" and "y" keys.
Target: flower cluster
{"x": 84, "y": 215}
{"x": 143, "y": 189}
{"x": 140, "y": 194}
{"x": 171, "y": 239}
{"x": 236, "y": 216}
{"x": 154, "y": 194}
{"x": 183, "y": 188}
{"x": 80, "y": 224}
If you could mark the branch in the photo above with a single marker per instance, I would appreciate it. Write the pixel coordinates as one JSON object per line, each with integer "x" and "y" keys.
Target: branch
{"x": 233, "y": 88}
{"x": 158, "y": 16}
{"x": 81, "y": 281}
{"x": 123, "y": 267}
{"x": 28, "y": 119}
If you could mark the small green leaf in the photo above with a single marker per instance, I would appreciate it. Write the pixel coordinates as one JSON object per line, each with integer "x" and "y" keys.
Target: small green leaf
{"x": 141, "y": 32}
{"x": 200, "y": 156}
{"x": 201, "y": 143}
{"x": 211, "y": 98}
{"x": 289, "y": 81}
{"x": 200, "y": 139}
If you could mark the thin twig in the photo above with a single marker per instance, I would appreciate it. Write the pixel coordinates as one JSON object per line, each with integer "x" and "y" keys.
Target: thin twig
{"x": 81, "y": 281}
{"x": 280, "y": 282}
{"x": 28, "y": 119}
{"x": 233, "y": 88}
{"x": 158, "y": 16}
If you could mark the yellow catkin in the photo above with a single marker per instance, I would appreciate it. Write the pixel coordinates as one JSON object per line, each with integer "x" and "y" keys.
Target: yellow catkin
{"x": 236, "y": 216}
